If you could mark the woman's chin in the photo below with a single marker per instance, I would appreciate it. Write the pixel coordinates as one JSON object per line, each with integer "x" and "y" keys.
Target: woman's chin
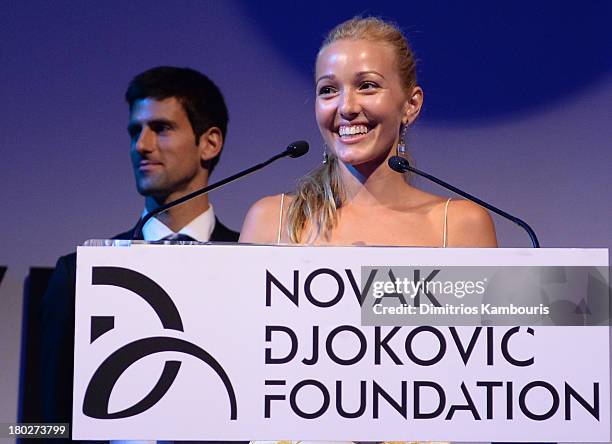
{"x": 357, "y": 159}
{"x": 352, "y": 155}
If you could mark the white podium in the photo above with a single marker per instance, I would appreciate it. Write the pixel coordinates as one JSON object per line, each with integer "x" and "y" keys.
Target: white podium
{"x": 241, "y": 342}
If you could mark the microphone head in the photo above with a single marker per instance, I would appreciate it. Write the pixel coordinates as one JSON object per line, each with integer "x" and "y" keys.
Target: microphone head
{"x": 297, "y": 149}
{"x": 399, "y": 164}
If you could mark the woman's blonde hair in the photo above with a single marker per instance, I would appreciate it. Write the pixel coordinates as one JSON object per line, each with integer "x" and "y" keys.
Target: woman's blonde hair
{"x": 319, "y": 194}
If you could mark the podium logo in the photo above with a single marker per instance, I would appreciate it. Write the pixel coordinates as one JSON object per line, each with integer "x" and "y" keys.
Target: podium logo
{"x": 98, "y": 392}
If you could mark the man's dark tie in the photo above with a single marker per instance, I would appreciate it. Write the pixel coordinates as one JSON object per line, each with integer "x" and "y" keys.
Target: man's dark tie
{"x": 179, "y": 237}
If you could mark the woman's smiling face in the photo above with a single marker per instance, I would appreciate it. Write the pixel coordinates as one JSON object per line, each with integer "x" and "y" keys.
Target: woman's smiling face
{"x": 360, "y": 104}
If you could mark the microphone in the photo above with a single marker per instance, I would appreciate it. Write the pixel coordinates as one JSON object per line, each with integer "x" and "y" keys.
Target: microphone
{"x": 297, "y": 149}
{"x": 401, "y": 165}
{"x": 293, "y": 150}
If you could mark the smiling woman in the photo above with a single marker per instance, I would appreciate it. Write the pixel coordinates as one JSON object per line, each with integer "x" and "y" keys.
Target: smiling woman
{"x": 366, "y": 99}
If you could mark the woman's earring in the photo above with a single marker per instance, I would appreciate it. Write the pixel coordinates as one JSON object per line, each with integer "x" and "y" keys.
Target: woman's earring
{"x": 325, "y": 155}
{"x": 402, "y": 150}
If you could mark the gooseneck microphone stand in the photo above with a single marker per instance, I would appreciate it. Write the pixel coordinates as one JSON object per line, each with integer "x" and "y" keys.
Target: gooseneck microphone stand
{"x": 401, "y": 165}
{"x": 295, "y": 149}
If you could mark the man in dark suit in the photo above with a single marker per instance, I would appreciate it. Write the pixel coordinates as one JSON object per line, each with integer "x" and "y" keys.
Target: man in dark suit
{"x": 178, "y": 121}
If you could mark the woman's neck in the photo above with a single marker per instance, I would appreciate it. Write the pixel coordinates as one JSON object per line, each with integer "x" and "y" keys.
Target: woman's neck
{"x": 373, "y": 185}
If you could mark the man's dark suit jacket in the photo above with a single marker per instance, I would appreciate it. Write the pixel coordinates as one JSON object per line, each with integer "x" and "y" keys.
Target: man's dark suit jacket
{"x": 57, "y": 326}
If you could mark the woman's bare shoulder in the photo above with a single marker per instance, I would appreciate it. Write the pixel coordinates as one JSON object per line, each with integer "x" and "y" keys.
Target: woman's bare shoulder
{"x": 260, "y": 225}
{"x": 469, "y": 225}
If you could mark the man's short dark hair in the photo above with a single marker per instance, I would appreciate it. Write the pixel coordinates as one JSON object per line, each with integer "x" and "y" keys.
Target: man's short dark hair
{"x": 200, "y": 97}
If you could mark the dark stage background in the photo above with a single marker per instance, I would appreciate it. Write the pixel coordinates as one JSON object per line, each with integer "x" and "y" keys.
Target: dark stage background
{"x": 518, "y": 110}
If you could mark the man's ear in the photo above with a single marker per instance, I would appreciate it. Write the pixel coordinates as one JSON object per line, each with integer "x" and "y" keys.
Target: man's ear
{"x": 211, "y": 142}
{"x": 412, "y": 106}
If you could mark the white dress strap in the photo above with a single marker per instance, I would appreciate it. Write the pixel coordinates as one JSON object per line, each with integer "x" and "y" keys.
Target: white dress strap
{"x": 445, "y": 223}
{"x": 280, "y": 219}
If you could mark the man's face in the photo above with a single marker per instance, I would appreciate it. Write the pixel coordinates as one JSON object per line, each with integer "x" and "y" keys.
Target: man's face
{"x": 166, "y": 160}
